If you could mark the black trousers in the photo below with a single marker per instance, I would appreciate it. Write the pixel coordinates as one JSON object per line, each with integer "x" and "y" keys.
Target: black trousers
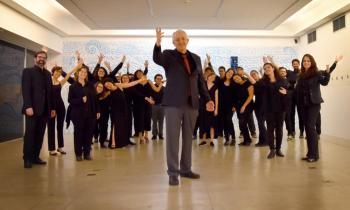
{"x": 243, "y": 119}
{"x": 60, "y": 115}
{"x": 300, "y": 111}
{"x": 311, "y": 113}
{"x": 318, "y": 124}
{"x": 261, "y": 125}
{"x": 290, "y": 115}
{"x": 33, "y": 136}
{"x": 83, "y": 132}
{"x": 157, "y": 120}
{"x": 228, "y": 127}
{"x": 142, "y": 117}
{"x": 251, "y": 124}
{"x": 274, "y": 122}
{"x": 101, "y": 126}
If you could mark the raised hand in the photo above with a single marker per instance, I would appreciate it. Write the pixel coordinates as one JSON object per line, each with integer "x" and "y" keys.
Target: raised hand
{"x": 327, "y": 68}
{"x": 208, "y": 58}
{"x": 270, "y": 58}
{"x": 265, "y": 59}
{"x": 338, "y": 58}
{"x": 100, "y": 58}
{"x": 159, "y": 35}
{"x": 107, "y": 64}
{"x": 146, "y": 63}
{"x": 123, "y": 58}
{"x": 77, "y": 54}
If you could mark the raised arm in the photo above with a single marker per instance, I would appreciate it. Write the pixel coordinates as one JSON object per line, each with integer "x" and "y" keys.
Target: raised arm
{"x": 117, "y": 68}
{"x": 158, "y": 56}
{"x": 67, "y": 77}
{"x": 100, "y": 58}
{"x": 155, "y": 88}
{"x": 251, "y": 80}
{"x": 130, "y": 84}
{"x": 145, "y": 72}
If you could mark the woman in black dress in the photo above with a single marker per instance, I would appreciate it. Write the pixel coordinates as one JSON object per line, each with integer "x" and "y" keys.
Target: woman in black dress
{"x": 84, "y": 112}
{"x": 209, "y": 122}
{"x": 57, "y": 85}
{"x": 119, "y": 110}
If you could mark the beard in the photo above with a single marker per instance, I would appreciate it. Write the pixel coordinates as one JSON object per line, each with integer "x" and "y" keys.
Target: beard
{"x": 41, "y": 62}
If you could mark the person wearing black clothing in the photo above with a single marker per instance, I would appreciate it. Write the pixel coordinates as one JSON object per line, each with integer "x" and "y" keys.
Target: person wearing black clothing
{"x": 128, "y": 92}
{"x": 243, "y": 104}
{"x": 104, "y": 102}
{"x": 157, "y": 109}
{"x": 57, "y": 85}
{"x": 37, "y": 107}
{"x": 226, "y": 111}
{"x": 251, "y": 124}
{"x": 84, "y": 111}
{"x": 309, "y": 99}
{"x": 258, "y": 109}
{"x": 274, "y": 90}
{"x": 99, "y": 74}
{"x": 120, "y": 136}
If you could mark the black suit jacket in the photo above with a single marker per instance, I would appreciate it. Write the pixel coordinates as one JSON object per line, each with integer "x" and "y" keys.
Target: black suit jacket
{"x": 179, "y": 83}
{"x": 37, "y": 91}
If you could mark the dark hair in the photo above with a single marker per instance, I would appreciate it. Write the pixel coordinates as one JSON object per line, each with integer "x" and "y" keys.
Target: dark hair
{"x": 295, "y": 60}
{"x": 56, "y": 68}
{"x": 40, "y": 52}
{"x": 124, "y": 75}
{"x": 96, "y": 73}
{"x": 158, "y": 75}
{"x": 312, "y": 71}
{"x": 282, "y": 67}
{"x": 138, "y": 70}
{"x": 107, "y": 79}
{"x": 209, "y": 68}
{"x": 254, "y": 71}
{"x": 239, "y": 67}
{"x": 275, "y": 72}
{"x": 222, "y": 67}
{"x": 230, "y": 69}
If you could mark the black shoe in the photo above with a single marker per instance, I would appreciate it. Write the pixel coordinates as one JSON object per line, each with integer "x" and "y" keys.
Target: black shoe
{"x": 161, "y": 137}
{"x": 102, "y": 145}
{"x": 244, "y": 144}
{"x": 254, "y": 135}
{"x": 79, "y": 158}
{"x": 271, "y": 154}
{"x": 227, "y": 142}
{"x": 88, "y": 157}
{"x": 173, "y": 180}
{"x": 202, "y": 143}
{"x": 304, "y": 158}
{"x": 233, "y": 142}
{"x": 190, "y": 175}
{"x": 39, "y": 161}
{"x": 279, "y": 153}
{"x": 211, "y": 144}
{"x": 154, "y": 137}
{"x": 28, "y": 164}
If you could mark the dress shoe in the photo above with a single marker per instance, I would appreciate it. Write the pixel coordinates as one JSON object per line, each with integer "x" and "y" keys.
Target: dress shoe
{"x": 173, "y": 180}
{"x": 39, "y": 161}
{"x": 202, "y": 143}
{"x": 161, "y": 137}
{"x": 27, "y": 164}
{"x": 279, "y": 153}
{"x": 88, "y": 157}
{"x": 79, "y": 158}
{"x": 271, "y": 154}
{"x": 190, "y": 175}
{"x": 154, "y": 137}
{"x": 227, "y": 142}
{"x": 233, "y": 142}
{"x": 53, "y": 153}
{"x": 311, "y": 160}
{"x": 211, "y": 144}
{"x": 304, "y": 158}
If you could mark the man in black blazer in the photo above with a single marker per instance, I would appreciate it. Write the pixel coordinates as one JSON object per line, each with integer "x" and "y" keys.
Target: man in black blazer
{"x": 185, "y": 84}
{"x": 37, "y": 107}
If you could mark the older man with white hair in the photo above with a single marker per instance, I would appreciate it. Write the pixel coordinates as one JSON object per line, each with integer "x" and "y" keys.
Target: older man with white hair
{"x": 185, "y": 84}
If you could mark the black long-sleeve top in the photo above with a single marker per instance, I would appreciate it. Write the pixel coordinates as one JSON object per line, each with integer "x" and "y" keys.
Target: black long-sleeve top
{"x": 110, "y": 75}
{"x": 226, "y": 96}
{"x": 158, "y": 96}
{"x": 79, "y": 109}
{"x": 241, "y": 94}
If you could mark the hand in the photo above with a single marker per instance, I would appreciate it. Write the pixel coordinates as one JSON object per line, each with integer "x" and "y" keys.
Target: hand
{"x": 143, "y": 78}
{"x": 242, "y": 110}
{"x": 127, "y": 66}
{"x": 77, "y": 54}
{"x": 282, "y": 90}
{"x": 29, "y": 112}
{"x": 327, "y": 68}
{"x": 270, "y": 58}
{"x": 208, "y": 57}
{"x": 84, "y": 99}
{"x": 146, "y": 63}
{"x": 210, "y": 106}
{"x": 159, "y": 35}
{"x": 205, "y": 63}
{"x": 150, "y": 100}
{"x": 80, "y": 63}
{"x": 123, "y": 58}
{"x": 265, "y": 59}
{"x": 98, "y": 115}
{"x": 53, "y": 113}
{"x": 338, "y": 58}
{"x": 233, "y": 109}
{"x": 100, "y": 58}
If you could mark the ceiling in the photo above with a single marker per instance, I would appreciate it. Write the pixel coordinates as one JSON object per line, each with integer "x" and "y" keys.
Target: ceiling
{"x": 187, "y": 14}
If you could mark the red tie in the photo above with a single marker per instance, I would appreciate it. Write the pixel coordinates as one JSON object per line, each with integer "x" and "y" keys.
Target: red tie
{"x": 187, "y": 64}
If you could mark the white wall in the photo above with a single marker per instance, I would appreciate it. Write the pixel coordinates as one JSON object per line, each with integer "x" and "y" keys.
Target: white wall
{"x": 335, "y": 111}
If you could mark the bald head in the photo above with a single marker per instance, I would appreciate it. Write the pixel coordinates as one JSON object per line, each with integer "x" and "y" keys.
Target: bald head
{"x": 180, "y": 40}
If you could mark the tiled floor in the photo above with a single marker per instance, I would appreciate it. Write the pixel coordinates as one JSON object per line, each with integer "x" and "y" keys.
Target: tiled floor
{"x": 135, "y": 178}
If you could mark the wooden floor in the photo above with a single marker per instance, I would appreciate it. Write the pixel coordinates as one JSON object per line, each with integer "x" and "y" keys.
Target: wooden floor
{"x": 135, "y": 178}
